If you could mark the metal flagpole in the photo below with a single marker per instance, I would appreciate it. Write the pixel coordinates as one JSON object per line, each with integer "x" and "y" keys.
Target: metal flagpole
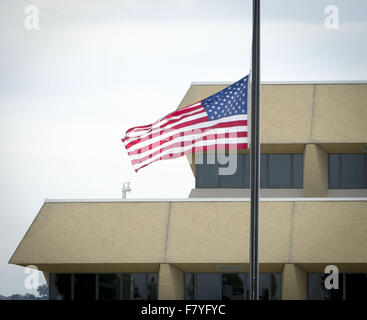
{"x": 255, "y": 151}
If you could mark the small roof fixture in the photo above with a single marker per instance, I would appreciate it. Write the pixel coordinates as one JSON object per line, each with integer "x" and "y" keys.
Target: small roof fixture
{"x": 125, "y": 188}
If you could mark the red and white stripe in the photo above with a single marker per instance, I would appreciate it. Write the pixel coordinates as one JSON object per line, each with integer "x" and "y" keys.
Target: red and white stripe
{"x": 183, "y": 131}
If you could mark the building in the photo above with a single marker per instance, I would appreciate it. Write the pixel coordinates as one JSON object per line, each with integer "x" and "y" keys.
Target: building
{"x": 313, "y": 213}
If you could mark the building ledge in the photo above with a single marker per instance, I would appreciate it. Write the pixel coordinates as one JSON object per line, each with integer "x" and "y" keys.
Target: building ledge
{"x": 339, "y": 199}
{"x": 221, "y": 83}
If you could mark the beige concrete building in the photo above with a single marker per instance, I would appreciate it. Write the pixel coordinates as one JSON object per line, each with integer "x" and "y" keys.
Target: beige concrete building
{"x": 313, "y": 213}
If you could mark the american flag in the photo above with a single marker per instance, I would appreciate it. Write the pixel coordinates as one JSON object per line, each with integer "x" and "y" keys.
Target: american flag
{"x": 218, "y": 122}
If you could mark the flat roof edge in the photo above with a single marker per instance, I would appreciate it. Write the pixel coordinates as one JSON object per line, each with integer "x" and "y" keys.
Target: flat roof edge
{"x": 208, "y": 200}
{"x": 218, "y": 83}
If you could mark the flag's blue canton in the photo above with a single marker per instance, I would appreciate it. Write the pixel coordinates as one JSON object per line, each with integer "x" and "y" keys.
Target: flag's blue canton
{"x": 228, "y": 102}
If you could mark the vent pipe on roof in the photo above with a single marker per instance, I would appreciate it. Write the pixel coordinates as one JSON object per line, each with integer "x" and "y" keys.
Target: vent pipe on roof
{"x": 125, "y": 188}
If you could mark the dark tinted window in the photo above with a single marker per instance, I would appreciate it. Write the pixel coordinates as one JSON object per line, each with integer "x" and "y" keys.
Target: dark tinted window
{"x": 297, "y": 167}
{"x": 207, "y": 173}
{"x": 276, "y": 283}
{"x": 140, "y": 286}
{"x": 264, "y": 287}
{"x": 279, "y": 170}
{"x": 134, "y": 286}
{"x": 109, "y": 286}
{"x": 315, "y": 287}
{"x": 263, "y": 170}
{"x": 208, "y": 286}
{"x": 152, "y": 286}
{"x": 356, "y": 286}
{"x": 126, "y": 288}
{"x": 276, "y": 171}
{"x": 104, "y": 286}
{"x": 60, "y": 286}
{"x": 230, "y": 286}
{"x": 233, "y": 286}
{"x": 238, "y": 179}
{"x": 84, "y": 286}
{"x": 189, "y": 286}
{"x": 334, "y": 171}
{"x": 317, "y": 290}
{"x": 347, "y": 171}
{"x": 352, "y": 286}
{"x": 353, "y": 171}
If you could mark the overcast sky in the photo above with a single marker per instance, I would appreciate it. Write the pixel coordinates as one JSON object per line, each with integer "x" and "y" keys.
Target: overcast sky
{"x": 69, "y": 90}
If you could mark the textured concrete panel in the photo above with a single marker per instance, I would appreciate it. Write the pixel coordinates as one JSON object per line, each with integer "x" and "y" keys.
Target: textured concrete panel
{"x": 330, "y": 232}
{"x": 205, "y": 232}
{"x": 95, "y": 233}
{"x": 340, "y": 113}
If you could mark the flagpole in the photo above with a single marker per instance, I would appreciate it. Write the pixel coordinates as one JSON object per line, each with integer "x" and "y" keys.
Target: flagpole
{"x": 255, "y": 151}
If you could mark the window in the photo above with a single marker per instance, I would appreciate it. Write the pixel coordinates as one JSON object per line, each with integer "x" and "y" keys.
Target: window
{"x": 230, "y": 286}
{"x": 277, "y": 171}
{"x": 356, "y": 285}
{"x": 152, "y": 286}
{"x": 208, "y": 286}
{"x": 109, "y": 286}
{"x": 352, "y": 286}
{"x": 60, "y": 286}
{"x": 84, "y": 286}
{"x": 281, "y": 171}
{"x": 105, "y": 286}
{"x": 189, "y": 286}
{"x": 347, "y": 171}
{"x": 137, "y": 286}
{"x": 140, "y": 286}
{"x": 233, "y": 286}
{"x": 275, "y": 285}
{"x": 317, "y": 290}
{"x": 207, "y": 174}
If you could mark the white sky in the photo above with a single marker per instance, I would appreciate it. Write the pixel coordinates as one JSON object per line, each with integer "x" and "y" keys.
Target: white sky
{"x": 95, "y": 68}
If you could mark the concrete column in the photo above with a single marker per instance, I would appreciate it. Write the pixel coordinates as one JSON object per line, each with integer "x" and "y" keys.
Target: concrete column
{"x": 315, "y": 171}
{"x": 171, "y": 283}
{"x": 294, "y": 283}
